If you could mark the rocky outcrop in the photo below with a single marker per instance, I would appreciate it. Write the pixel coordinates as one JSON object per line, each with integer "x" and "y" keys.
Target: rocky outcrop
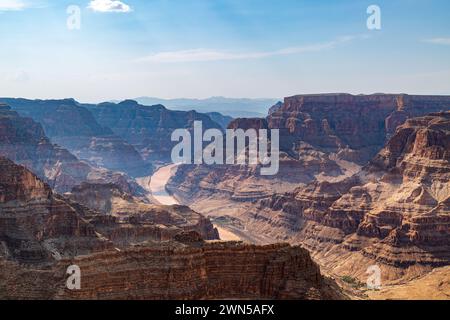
{"x": 73, "y": 127}
{"x": 36, "y": 226}
{"x": 138, "y": 218}
{"x": 42, "y": 234}
{"x": 178, "y": 271}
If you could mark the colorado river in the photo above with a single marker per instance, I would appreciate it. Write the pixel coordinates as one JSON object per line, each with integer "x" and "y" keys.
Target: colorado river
{"x": 156, "y": 184}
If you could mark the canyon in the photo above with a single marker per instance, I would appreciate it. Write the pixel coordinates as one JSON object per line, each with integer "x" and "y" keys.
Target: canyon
{"x": 72, "y": 126}
{"x": 148, "y": 128}
{"x": 378, "y": 194}
{"x": 24, "y": 141}
{"x": 362, "y": 181}
{"x": 42, "y": 234}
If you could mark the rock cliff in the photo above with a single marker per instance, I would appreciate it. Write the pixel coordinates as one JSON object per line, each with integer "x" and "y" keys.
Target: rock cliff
{"x": 42, "y": 234}
{"x": 72, "y": 126}
{"x": 348, "y": 125}
{"x": 147, "y": 128}
{"x": 24, "y": 141}
{"x": 36, "y": 226}
{"x": 349, "y": 211}
{"x": 395, "y": 212}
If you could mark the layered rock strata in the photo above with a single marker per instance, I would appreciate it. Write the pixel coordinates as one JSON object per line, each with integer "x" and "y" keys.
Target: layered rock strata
{"x": 42, "y": 234}
{"x": 148, "y": 128}
{"x": 24, "y": 141}
{"x": 72, "y": 126}
{"x": 395, "y": 212}
{"x": 127, "y": 219}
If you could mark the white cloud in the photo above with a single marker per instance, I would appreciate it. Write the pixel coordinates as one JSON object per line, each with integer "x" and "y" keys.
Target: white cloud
{"x": 12, "y": 5}
{"x": 443, "y": 41}
{"x": 204, "y": 55}
{"x": 109, "y": 6}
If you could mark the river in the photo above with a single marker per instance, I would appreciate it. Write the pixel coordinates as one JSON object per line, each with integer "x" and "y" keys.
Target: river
{"x": 156, "y": 184}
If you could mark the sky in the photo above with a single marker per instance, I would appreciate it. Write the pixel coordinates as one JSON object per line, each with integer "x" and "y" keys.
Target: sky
{"x": 232, "y": 48}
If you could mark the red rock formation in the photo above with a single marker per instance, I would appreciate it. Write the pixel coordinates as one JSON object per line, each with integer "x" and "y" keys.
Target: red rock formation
{"x": 394, "y": 213}
{"x": 322, "y": 138}
{"x": 137, "y": 217}
{"x": 338, "y": 121}
{"x": 178, "y": 271}
{"x": 42, "y": 234}
{"x": 37, "y": 227}
{"x": 203, "y": 271}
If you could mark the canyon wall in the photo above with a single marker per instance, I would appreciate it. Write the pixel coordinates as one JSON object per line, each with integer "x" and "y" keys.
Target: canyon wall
{"x": 24, "y": 141}
{"x": 354, "y": 127}
{"x": 349, "y": 212}
{"x": 179, "y": 271}
{"x": 202, "y": 271}
{"x": 72, "y": 126}
{"x": 42, "y": 234}
{"x": 147, "y": 128}
{"x": 395, "y": 212}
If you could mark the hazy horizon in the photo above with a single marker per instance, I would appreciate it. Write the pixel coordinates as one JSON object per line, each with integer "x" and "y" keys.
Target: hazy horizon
{"x": 229, "y": 48}
{"x": 214, "y": 97}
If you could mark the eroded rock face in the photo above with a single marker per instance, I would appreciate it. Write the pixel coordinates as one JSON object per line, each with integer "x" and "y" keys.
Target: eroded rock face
{"x": 42, "y": 234}
{"x": 69, "y": 124}
{"x": 24, "y": 141}
{"x": 147, "y": 128}
{"x": 178, "y": 271}
{"x": 336, "y": 122}
{"x": 395, "y": 212}
{"x": 207, "y": 271}
{"x": 36, "y": 226}
{"x": 138, "y": 218}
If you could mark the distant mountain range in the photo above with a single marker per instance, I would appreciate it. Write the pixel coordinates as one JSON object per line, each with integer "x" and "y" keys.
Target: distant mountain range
{"x": 235, "y": 108}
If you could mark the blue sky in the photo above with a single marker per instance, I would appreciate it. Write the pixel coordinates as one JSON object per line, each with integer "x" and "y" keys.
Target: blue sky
{"x": 233, "y": 48}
